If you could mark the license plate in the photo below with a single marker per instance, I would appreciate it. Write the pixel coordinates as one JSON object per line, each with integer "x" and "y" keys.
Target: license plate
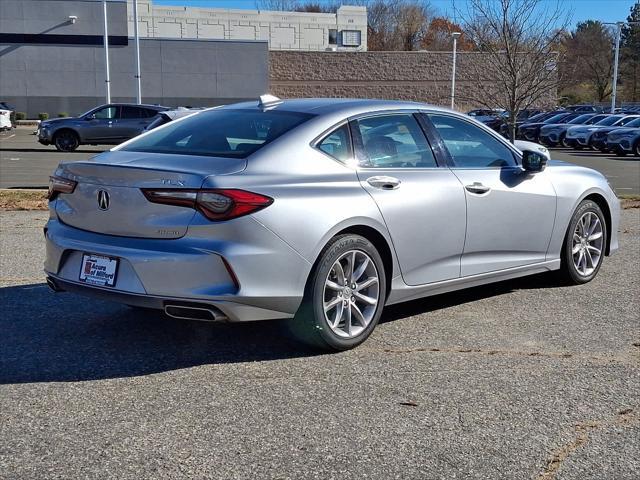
{"x": 98, "y": 270}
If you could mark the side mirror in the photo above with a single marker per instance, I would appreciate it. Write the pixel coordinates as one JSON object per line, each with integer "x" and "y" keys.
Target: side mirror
{"x": 90, "y": 117}
{"x": 533, "y": 161}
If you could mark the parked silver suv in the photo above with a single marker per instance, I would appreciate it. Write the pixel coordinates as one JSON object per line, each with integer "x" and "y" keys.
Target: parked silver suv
{"x": 107, "y": 124}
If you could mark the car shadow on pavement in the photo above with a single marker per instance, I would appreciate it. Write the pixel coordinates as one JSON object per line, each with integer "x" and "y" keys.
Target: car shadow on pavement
{"x": 49, "y": 337}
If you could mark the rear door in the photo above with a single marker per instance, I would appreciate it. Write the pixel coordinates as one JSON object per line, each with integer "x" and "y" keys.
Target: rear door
{"x": 132, "y": 121}
{"x": 422, "y": 202}
{"x": 510, "y": 212}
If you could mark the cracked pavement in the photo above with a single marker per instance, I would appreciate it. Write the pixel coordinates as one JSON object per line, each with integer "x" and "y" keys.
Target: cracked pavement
{"x": 522, "y": 379}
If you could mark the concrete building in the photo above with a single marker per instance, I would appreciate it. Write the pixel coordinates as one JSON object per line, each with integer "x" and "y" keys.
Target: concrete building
{"x": 346, "y": 30}
{"x": 49, "y": 63}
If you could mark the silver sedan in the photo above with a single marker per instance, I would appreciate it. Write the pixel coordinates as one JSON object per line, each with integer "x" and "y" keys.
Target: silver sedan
{"x": 321, "y": 211}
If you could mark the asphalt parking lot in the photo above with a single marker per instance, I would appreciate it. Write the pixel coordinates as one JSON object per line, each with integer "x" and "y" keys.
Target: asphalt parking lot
{"x": 522, "y": 379}
{"x": 26, "y": 163}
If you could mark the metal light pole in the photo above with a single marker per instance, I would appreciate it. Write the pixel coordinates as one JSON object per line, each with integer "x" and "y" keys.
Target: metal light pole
{"x": 137, "y": 44}
{"x": 614, "y": 83}
{"x": 106, "y": 51}
{"x": 455, "y": 36}
{"x": 614, "y": 89}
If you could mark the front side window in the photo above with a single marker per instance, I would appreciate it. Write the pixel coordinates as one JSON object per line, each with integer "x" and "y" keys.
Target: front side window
{"x": 337, "y": 144}
{"x": 106, "y": 113}
{"x": 470, "y": 146}
{"x": 234, "y": 133}
{"x": 394, "y": 141}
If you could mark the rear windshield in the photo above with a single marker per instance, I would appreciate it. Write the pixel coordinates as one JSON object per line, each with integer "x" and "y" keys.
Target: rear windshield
{"x": 233, "y": 133}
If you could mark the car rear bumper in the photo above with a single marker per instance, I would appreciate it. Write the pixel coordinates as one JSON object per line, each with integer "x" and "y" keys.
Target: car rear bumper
{"x": 258, "y": 280}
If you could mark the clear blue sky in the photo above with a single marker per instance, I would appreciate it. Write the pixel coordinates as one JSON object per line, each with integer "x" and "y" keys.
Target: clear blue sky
{"x": 603, "y": 10}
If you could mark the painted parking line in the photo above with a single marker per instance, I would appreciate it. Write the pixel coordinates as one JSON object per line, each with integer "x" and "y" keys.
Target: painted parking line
{"x": 7, "y": 138}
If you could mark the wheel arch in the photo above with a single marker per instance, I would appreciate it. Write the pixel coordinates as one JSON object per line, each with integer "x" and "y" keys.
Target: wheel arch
{"x": 65, "y": 129}
{"x": 381, "y": 244}
{"x": 601, "y": 201}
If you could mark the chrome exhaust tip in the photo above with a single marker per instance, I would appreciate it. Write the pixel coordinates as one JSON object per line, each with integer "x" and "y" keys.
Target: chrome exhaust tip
{"x": 204, "y": 313}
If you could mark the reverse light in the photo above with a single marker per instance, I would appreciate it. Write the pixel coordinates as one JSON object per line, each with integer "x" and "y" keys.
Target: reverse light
{"x": 215, "y": 204}
{"x": 60, "y": 185}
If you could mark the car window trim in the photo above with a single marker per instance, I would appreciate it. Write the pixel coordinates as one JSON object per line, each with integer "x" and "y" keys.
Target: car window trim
{"x": 320, "y": 138}
{"x": 517, "y": 156}
{"x": 358, "y": 145}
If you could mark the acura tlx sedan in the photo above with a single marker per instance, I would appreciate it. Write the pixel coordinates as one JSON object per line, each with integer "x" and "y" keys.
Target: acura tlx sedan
{"x": 321, "y": 211}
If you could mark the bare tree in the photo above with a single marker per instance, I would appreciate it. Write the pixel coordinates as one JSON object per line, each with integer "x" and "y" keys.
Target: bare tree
{"x": 397, "y": 24}
{"x": 589, "y": 57}
{"x": 518, "y": 40}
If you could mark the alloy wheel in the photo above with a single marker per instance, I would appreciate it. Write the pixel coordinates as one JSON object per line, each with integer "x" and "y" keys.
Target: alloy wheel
{"x": 351, "y": 294}
{"x": 587, "y": 244}
{"x": 66, "y": 141}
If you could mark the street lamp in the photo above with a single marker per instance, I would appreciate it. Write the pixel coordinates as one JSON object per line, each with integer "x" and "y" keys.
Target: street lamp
{"x": 137, "y": 45}
{"x": 106, "y": 50}
{"x": 455, "y": 36}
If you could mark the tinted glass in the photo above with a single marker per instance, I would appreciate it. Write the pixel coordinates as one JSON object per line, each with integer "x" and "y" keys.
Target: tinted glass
{"x": 634, "y": 123}
{"x": 133, "y": 112}
{"x": 470, "y": 146}
{"x": 556, "y": 118}
{"x": 394, "y": 141}
{"x": 581, "y": 119}
{"x": 595, "y": 119}
{"x": 106, "y": 113}
{"x": 625, "y": 121}
{"x": 337, "y": 144}
{"x": 609, "y": 120}
{"x": 231, "y": 133}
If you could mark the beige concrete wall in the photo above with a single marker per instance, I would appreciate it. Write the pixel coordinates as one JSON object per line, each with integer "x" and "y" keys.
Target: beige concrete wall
{"x": 283, "y": 30}
{"x": 419, "y": 76}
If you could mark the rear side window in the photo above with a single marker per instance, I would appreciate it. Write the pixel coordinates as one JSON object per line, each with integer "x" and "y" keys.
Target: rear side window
{"x": 233, "y": 133}
{"x": 337, "y": 144}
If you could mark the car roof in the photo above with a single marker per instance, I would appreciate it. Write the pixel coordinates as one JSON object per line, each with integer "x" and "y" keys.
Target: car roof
{"x": 344, "y": 106}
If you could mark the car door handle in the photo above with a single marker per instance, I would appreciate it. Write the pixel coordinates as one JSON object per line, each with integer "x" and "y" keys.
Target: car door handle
{"x": 384, "y": 182}
{"x": 477, "y": 187}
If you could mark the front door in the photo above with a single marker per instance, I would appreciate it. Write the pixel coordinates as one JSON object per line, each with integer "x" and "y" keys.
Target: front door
{"x": 510, "y": 212}
{"x": 100, "y": 125}
{"x": 422, "y": 203}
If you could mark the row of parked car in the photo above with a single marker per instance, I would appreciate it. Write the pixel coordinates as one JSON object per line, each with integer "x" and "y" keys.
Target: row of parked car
{"x": 618, "y": 132}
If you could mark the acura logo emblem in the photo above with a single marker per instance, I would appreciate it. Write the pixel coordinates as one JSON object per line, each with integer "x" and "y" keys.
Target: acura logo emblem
{"x": 103, "y": 200}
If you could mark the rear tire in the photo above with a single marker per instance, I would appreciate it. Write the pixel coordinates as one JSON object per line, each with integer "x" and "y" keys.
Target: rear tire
{"x": 584, "y": 245}
{"x": 66, "y": 141}
{"x": 341, "y": 307}
{"x": 563, "y": 141}
{"x": 636, "y": 148}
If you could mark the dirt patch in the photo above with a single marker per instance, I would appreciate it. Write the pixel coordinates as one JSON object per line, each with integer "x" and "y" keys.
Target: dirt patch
{"x": 23, "y": 200}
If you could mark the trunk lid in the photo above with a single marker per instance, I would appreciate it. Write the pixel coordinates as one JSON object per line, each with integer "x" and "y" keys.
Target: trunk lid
{"x": 120, "y": 175}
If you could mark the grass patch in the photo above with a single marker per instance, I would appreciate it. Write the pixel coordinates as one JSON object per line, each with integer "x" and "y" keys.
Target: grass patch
{"x": 23, "y": 200}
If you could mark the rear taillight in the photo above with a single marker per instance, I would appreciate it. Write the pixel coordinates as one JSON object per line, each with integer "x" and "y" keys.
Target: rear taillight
{"x": 60, "y": 185}
{"x": 215, "y": 204}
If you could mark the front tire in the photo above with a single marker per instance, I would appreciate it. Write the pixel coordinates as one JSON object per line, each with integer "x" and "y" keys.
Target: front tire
{"x": 66, "y": 141}
{"x": 584, "y": 244}
{"x": 344, "y": 297}
{"x": 636, "y": 148}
